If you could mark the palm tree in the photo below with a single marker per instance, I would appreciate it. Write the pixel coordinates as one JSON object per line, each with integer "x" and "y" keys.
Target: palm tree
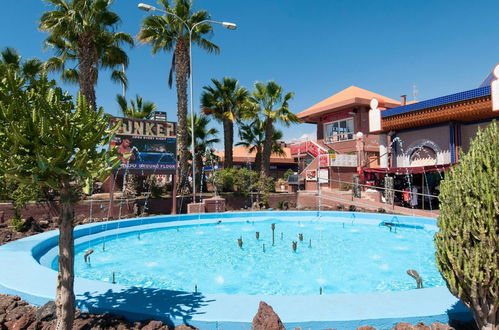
{"x": 169, "y": 34}
{"x": 224, "y": 102}
{"x": 204, "y": 138}
{"x": 82, "y": 31}
{"x": 137, "y": 109}
{"x": 252, "y": 136}
{"x": 29, "y": 69}
{"x": 273, "y": 107}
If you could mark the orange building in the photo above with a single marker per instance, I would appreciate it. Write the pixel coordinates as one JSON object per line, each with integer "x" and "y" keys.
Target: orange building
{"x": 344, "y": 143}
{"x": 278, "y": 163}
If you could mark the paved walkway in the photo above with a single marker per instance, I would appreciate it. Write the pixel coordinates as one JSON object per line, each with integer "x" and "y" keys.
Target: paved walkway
{"x": 332, "y": 197}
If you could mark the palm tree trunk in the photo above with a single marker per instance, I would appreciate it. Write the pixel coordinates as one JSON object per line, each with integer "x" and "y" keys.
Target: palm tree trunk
{"x": 228, "y": 142}
{"x": 87, "y": 67}
{"x": 267, "y": 147}
{"x": 258, "y": 159}
{"x": 182, "y": 69}
{"x": 65, "y": 278}
{"x": 199, "y": 170}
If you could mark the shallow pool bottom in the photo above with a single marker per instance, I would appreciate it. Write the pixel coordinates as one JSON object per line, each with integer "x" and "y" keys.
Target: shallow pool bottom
{"x": 30, "y": 278}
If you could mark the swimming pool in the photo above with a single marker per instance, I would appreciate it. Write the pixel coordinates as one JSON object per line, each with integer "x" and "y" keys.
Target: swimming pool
{"x": 223, "y": 299}
{"x": 335, "y": 254}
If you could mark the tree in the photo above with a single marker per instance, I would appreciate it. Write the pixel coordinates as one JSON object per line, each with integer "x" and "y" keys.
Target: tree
{"x": 274, "y": 108}
{"x": 83, "y": 31}
{"x": 169, "y": 34}
{"x": 48, "y": 141}
{"x": 138, "y": 109}
{"x": 467, "y": 244}
{"x": 204, "y": 138}
{"x": 252, "y": 137}
{"x": 224, "y": 102}
{"x": 29, "y": 69}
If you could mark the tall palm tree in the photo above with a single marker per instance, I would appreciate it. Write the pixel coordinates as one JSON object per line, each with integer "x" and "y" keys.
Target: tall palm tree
{"x": 204, "y": 138}
{"x": 252, "y": 136}
{"x": 224, "y": 102}
{"x": 137, "y": 109}
{"x": 169, "y": 34}
{"x": 274, "y": 108}
{"x": 82, "y": 31}
{"x": 29, "y": 69}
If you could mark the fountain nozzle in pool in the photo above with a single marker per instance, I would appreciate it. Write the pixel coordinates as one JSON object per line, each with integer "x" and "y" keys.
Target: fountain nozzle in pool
{"x": 282, "y": 235}
{"x": 320, "y": 290}
{"x": 300, "y": 237}
{"x": 273, "y": 230}
{"x": 240, "y": 242}
{"x": 310, "y": 243}
{"x": 86, "y": 257}
{"x": 294, "y": 246}
{"x": 104, "y": 246}
{"x": 257, "y": 235}
{"x": 414, "y": 274}
{"x": 263, "y": 247}
{"x": 114, "y": 279}
{"x": 196, "y": 288}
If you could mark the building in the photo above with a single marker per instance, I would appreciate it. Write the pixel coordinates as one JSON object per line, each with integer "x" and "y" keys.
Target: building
{"x": 344, "y": 143}
{"x": 279, "y": 164}
{"x": 420, "y": 141}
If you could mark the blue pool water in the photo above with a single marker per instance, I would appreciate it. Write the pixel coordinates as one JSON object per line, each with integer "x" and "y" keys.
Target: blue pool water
{"x": 346, "y": 256}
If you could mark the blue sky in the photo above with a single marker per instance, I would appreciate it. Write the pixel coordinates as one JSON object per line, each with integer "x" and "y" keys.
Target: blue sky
{"x": 313, "y": 48}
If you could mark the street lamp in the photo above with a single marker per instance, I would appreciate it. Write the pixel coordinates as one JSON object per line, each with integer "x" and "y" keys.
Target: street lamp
{"x": 227, "y": 25}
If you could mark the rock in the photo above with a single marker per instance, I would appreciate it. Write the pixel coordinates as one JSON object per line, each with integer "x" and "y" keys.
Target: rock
{"x": 267, "y": 319}
{"x": 440, "y": 326}
{"x": 407, "y": 326}
{"x": 155, "y": 325}
{"x": 46, "y": 312}
{"x": 366, "y": 327}
{"x": 20, "y": 323}
{"x": 185, "y": 327}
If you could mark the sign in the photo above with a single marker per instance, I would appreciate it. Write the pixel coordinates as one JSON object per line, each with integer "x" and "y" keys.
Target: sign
{"x": 311, "y": 175}
{"x": 323, "y": 175}
{"x": 324, "y": 160}
{"x": 343, "y": 160}
{"x": 146, "y": 146}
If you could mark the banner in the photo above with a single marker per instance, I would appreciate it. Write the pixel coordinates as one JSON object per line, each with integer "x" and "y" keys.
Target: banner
{"x": 146, "y": 146}
{"x": 311, "y": 175}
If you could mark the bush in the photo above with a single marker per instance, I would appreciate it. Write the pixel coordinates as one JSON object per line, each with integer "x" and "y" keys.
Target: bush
{"x": 17, "y": 224}
{"x": 223, "y": 180}
{"x": 287, "y": 174}
{"x": 467, "y": 244}
{"x": 245, "y": 181}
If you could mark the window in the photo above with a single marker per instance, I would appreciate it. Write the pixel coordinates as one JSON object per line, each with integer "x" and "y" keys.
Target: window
{"x": 341, "y": 130}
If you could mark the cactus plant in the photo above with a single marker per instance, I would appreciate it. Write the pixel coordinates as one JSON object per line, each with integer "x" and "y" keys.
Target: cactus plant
{"x": 467, "y": 243}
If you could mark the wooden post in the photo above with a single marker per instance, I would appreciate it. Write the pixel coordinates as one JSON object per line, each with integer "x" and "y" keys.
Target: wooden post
{"x": 110, "y": 213}
{"x": 174, "y": 195}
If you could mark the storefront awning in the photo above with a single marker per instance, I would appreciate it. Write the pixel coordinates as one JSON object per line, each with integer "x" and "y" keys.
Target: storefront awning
{"x": 409, "y": 170}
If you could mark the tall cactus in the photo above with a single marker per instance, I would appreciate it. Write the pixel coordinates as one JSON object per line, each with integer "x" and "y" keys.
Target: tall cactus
{"x": 467, "y": 244}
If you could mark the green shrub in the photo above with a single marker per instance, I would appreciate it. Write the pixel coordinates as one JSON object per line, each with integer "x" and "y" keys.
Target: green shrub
{"x": 287, "y": 174}
{"x": 467, "y": 244}
{"x": 17, "y": 224}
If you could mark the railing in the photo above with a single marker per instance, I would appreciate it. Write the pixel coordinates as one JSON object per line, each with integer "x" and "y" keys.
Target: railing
{"x": 382, "y": 189}
{"x": 310, "y": 147}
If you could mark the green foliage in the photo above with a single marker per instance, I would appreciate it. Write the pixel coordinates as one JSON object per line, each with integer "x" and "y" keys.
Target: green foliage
{"x": 467, "y": 245}
{"x": 17, "y": 224}
{"x": 287, "y": 174}
{"x": 48, "y": 141}
{"x": 223, "y": 180}
{"x": 242, "y": 180}
{"x": 85, "y": 29}
{"x": 245, "y": 180}
{"x": 138, "y": 108}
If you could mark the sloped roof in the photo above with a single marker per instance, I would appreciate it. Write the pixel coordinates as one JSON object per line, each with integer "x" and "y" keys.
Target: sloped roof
{"x": 350, "y": 96}
{"x": 240, "y": 155}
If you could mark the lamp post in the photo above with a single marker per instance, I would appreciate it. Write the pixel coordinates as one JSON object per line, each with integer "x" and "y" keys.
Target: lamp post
{"x": 227, "y": 25}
